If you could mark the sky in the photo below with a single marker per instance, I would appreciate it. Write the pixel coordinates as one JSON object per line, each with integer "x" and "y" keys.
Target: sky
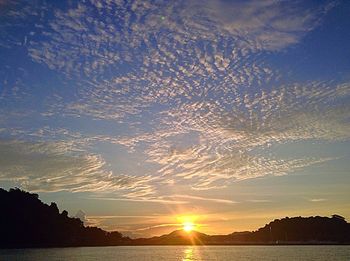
{"x": 139, "y": 114}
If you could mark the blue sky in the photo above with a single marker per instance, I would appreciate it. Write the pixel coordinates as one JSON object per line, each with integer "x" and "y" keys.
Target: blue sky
{"x": 138, "y": 112}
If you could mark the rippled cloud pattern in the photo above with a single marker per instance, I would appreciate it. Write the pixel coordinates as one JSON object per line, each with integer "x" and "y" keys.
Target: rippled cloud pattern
{"x": 135, "y": 97}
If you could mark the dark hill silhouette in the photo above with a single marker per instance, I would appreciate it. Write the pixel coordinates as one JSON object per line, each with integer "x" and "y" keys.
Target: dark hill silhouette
{"x": 25, "y": 221}
{"x": 296, "y": 230}
{"x": 177, "y": 237}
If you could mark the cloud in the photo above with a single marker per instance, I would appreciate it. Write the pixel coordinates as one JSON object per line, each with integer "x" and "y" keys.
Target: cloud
{"x": 140, "y": 199}
{"x": 259, "y": 200}
{"x": 269, "y": 25}
{"x": 317, "y": 200}
{"x": 79, "y": 46}
{"x": 186, "y": 80}
{"x": 206, "y": 171}
{"x": 195, "y": 198}
{"x": 45, "y": 167}
{"x": 171, "y": 225}
{"x": 212, "y": 146}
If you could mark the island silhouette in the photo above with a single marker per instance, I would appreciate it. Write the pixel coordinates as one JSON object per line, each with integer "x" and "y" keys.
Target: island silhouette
{"x": 25, "y": 221}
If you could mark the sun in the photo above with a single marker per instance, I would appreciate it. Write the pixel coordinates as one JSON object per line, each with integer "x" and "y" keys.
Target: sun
{"x": 188, "y": 222}
{"x": 188, "y": 226}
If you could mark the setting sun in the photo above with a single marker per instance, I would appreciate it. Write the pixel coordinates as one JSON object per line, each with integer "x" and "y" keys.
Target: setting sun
{"x": 188, "y": 226}
{"x": 187, "y": 222}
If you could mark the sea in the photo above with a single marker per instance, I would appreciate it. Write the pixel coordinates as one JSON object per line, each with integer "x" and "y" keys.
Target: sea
{"x": 183, "y": 253}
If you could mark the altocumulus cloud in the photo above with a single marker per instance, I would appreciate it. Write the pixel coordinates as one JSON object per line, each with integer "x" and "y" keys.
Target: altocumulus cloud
{"x": 186, "y": 79}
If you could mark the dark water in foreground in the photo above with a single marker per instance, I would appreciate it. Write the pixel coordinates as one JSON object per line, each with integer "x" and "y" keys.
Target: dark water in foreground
{"x": 183, "y": 253}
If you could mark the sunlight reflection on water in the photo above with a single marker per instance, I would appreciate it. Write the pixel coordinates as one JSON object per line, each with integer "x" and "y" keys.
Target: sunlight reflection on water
{"x": 188, "y": 254}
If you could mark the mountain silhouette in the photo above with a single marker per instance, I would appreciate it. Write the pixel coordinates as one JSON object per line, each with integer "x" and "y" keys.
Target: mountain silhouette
{"x": 177, "y": 237}
{"x": 25, "y": 221}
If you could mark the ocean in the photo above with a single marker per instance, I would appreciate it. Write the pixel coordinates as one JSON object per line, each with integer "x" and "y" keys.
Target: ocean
{"x": 181, "y": 253}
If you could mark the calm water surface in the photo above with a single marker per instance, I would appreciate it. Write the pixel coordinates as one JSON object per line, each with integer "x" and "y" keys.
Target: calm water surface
{"x": 182, "y": 253}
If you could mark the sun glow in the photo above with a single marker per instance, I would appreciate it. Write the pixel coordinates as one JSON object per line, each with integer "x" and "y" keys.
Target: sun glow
{"x": 187, "y": 222}
{"x": 188, "y": 226}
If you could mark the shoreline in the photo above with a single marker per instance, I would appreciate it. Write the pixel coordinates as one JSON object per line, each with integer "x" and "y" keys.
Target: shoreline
{"x": 169, "y": 245}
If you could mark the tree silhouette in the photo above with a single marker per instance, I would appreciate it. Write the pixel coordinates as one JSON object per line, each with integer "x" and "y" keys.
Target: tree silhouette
{"x": 25, "y": 221}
